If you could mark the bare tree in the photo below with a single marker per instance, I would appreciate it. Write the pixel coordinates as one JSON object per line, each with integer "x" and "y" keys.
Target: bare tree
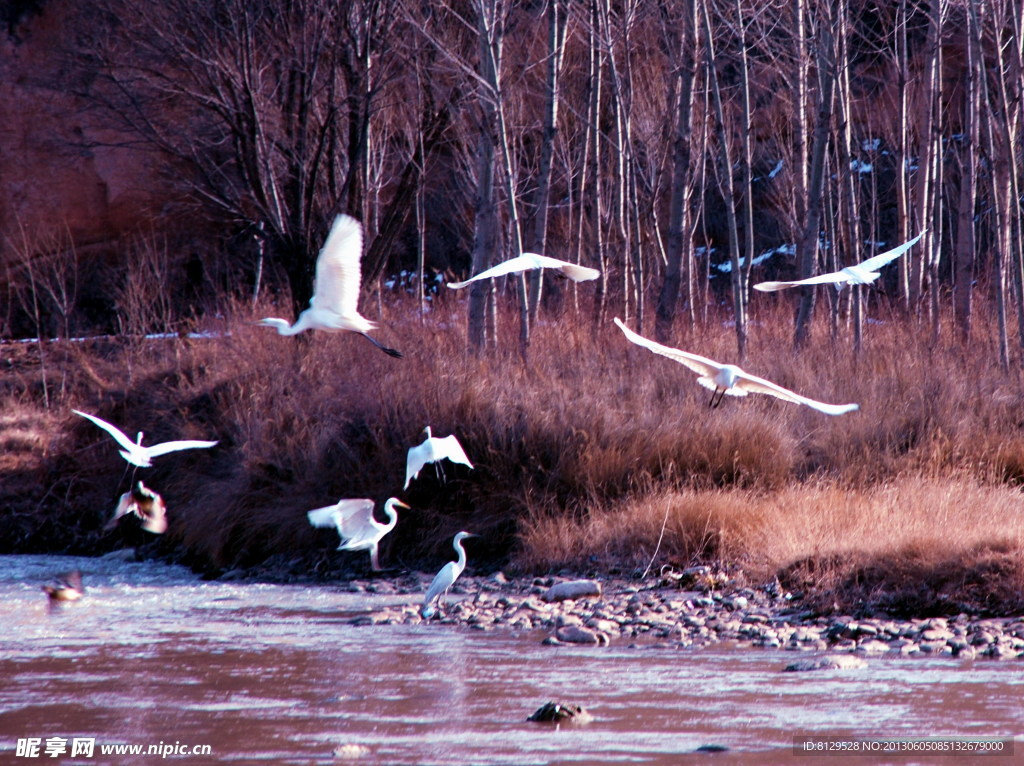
{"x": 681, "y": 34}
{"x": 275, "y": 100}
{"x": 807, "y": 245}
{"x": 963, "y": 253}
{"x": 557, "y": 17}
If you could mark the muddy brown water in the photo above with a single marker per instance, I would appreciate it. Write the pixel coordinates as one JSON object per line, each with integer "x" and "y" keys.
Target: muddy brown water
{"x": 276, "y": 674}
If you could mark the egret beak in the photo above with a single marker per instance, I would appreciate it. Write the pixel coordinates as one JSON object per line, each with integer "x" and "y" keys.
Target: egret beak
{"x": 400, "y": 504}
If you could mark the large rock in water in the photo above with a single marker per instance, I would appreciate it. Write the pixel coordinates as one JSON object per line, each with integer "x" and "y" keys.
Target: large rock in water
{"x": 573, "y": 589}
{"x": 831, "y": 662}
{"x": 577, "y": 634}
{"x": 556, "y": 712}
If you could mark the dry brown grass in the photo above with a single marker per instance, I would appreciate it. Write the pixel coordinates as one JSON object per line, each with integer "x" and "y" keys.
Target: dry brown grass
{"x": 578, "y": 452}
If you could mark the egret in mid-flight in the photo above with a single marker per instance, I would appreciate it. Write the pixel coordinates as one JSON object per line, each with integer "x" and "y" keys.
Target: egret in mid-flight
{"x": 863, "y": 273}
{"x": 134, "y": 452}
{"x": 355, "y": 523}
{"x": 529, "y": 261}
{"x": 432, "y": 450}
{"x": 336, "y": 288}
{"x": 443, "y": 580}
{"x": 146, "y": 504}
{"x": 729, "y": 379}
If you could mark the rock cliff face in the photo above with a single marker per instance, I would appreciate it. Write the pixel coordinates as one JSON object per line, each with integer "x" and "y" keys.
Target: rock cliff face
{"x": 61, "y": 175}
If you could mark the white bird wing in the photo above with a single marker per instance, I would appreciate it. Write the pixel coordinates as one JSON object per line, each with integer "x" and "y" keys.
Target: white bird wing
{"x": 522, "y": 262}
{"x": 356, "y": 522}
{"x": 876, "y": 262}
{"x": 871, "y": 264}
{"x": 758, "y": 385}
{"x": 832, "y": 276}
{"x": 352, "y": 518}
{"x": 699, "y": 364}
{"x": 113, "y": 430}
{"x": 442, "y": 581}
{"x": 418, "y": 457}
{"x": 338, "y": 271}
{"x": 571, "y": 270}
{"x": 162, "y": 449}
{"x": 449, "y": 447}
{"x": 528, "y": 261}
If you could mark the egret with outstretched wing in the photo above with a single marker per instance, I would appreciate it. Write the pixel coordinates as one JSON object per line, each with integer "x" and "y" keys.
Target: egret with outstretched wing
{"x": 862, "y": 273}
{"x": 530, "y": 261}
{"x": 354, "y": 521}
{"x": 432, "y": 450}
{"x": 729, "y": 379}
{"x": 134, "y": 452}
{"x": 333, "y": 306}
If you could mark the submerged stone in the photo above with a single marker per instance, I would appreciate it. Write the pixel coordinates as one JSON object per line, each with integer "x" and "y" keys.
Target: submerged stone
{"x": 557, "y": 712}
{"x": 831, "y": 662}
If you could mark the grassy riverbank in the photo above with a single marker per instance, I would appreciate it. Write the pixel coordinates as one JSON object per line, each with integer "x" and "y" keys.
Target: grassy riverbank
{"x": 583, "y": 455}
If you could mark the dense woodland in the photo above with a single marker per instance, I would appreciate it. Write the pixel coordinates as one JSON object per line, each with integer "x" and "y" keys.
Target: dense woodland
{"x": 681, "y": 146}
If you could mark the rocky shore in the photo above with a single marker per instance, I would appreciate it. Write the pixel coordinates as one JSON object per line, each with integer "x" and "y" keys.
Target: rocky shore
{"x": 685, "y": 611}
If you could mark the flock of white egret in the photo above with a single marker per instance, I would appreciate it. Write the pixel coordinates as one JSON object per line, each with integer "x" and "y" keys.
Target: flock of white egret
{"x": 333, "y": 307}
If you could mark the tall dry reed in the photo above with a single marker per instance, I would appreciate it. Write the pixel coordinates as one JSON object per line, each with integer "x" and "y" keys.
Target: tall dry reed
{"x": 582, "y": 452}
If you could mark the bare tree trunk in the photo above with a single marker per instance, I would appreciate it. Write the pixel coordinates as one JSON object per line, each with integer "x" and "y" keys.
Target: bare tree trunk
{"x": 963, "y": 254}
{"x": 999, "y": 176}
{"x": 930, "y": 144}
{"x": 596, "y": 198}
{"x": 903, "y": 152}
{"x": 848, "y": 180}
{"x": 484, "y": 239}
{"x": 491, "y": 31}
{"x": 1010, "y": 80}
{"x": 747, "y": 147}
{"x": 807, "y": 246}
{"x": 679, "y": 245}
{"x": 621, "y": 97}
{"x": 798, "y": 120}
{"x": 556, "y": 48}
{"x": 728, "y": 190}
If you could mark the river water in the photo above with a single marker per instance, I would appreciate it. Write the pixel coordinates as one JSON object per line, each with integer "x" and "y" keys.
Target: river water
{"x": 276, "y": 674}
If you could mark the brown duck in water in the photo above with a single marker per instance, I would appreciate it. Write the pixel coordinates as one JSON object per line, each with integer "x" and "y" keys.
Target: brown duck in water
{"x": 67, "y": 587}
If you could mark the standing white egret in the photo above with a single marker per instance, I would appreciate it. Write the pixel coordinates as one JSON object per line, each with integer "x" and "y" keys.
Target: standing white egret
{"x": 443, "y": 580}
{"x": 729, "y": 379}
{"x": 862, "y": 273}
{"x": 144, "y": 503}
{"x": 134, "y": 452}
{"x": 432, "y": 450}
{"x": 358, "y": 529}
{"x": 530, "y": 261}
{"x": 336, "y": 288}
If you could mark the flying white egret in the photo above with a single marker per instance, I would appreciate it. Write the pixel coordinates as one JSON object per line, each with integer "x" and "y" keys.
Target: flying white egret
{"x": 729, "y": 379}
{"x": 134, "y": 452}
{"x": 432, "y": 450}
{"x": 862, "y": 273}
{"x": 355, "y": 523}
{"x": 336, "y": 288}
{"x": 443, "y": 580}
{"x": 144, "y": 503}
{"x": 529, "y": 261}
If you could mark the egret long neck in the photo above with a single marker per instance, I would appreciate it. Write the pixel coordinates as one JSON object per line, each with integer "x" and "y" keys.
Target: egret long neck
{"x": 392, "y": 514}
{"x": 461, "y": 563}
